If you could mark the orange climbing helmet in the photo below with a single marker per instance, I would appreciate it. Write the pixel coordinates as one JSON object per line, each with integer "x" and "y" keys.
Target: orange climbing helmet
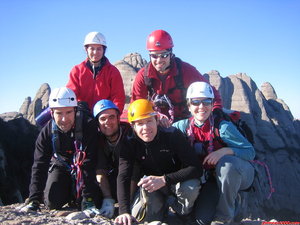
{"x": 140, "y": 109}
{"x": 159, "y": 40}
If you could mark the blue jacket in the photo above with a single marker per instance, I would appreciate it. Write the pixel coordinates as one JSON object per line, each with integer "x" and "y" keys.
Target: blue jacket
{"x": 230, "y": 135}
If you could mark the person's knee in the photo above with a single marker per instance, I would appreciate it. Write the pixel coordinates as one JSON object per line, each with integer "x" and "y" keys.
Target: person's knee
{"x": 156, "y": 199}
{"x": 56, "y": 195}
{"x": 228, "y": 166}
{"x": 189, "y": 188}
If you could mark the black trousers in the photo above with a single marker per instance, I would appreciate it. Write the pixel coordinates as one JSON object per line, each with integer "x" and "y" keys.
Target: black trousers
{"x": 59, "y": 188}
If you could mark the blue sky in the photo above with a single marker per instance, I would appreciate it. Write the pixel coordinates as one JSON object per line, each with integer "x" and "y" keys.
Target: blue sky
{"x": 41, "y": 41}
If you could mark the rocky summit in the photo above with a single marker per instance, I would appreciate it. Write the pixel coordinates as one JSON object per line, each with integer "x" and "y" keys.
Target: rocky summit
{"x": 276, "y": 138}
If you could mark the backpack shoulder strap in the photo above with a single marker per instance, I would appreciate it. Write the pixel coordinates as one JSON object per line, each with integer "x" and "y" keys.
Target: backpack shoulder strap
{"x": 219, "y": 116}
{"x": 55, "y": 137}
{"x": 148, "y": 81}
{"x": 178, "y": 78}
{"x": 56, "y": 146}
{"x": 82, "y": 116}
{"x": 78, "y": 125}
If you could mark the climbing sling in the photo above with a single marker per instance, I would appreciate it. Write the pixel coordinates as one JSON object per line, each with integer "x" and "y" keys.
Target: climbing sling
{"x": 75, "y": 168}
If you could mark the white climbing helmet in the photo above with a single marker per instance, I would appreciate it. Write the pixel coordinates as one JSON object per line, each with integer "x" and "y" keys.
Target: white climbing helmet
{"x": 62, "y": 97}
{"x": 95, "y": 38}
{"x": 199, "y": 90}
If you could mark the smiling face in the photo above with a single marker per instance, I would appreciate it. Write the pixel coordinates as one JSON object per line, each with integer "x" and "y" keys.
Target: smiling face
{"x": 201, "y": 111}
{"x": 109, "y": 123}
{"x": 64, "y": 118}
{"x": 146, "y": 129}
{"x": 94, "y": 52}
{"x": 161, "y": 60}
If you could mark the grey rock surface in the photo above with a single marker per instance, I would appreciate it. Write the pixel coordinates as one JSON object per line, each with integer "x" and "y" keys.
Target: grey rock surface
{"x": 39, "y": 103}
{"x": 268, "y": 91}
{"x": 10, "y": 215}
{"x": 128, "y": 68}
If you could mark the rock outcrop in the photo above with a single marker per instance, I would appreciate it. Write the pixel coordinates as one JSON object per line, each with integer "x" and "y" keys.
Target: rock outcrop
{"x": 39, "y": 103}
{"x": 128, "y": 68}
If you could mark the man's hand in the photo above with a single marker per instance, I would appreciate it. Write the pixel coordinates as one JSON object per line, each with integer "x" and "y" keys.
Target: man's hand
{"x": 107, "y": 208}
{"x": 152, "y": 183}
{"x": 125, "y": 219}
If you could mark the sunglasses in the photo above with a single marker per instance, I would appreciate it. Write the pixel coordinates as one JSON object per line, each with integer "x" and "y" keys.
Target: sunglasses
{"x": 205, "y": 102}
{"x": 160, "y": 55}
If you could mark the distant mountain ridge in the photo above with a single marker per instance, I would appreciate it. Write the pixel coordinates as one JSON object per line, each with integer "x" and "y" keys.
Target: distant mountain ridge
{"x": 276, "y": 134}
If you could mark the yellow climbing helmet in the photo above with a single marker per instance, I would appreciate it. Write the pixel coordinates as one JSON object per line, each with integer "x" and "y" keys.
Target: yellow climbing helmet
{"x": 140, "y": 109}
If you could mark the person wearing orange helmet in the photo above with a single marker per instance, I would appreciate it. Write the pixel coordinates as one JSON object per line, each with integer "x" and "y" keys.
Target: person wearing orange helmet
{"x": 166, "y": 159}
{"x": 166, "y": 78}
{"x": 96, "y": 78}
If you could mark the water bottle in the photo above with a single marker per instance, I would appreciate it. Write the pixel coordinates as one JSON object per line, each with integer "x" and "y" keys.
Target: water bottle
{"x": 44, "y": 117}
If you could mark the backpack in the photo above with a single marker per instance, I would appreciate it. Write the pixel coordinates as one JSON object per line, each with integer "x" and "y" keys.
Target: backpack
{"x": 235, "y": 118}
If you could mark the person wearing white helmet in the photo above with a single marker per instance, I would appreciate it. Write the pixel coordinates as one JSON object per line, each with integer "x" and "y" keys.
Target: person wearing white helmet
{"x": 223, "y": 152}
{"x": 61, "y": 157}
{"x": 96, "y": 78}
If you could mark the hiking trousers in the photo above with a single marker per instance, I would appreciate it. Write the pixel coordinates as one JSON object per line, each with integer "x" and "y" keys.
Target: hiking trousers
{"x": 218, "y": 196}
{"x": 184, "y": 195}
{"x": 59, "y": 188}
{"x": 233, "y": 175}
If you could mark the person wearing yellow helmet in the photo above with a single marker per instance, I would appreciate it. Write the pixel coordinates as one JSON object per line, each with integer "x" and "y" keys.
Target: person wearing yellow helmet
{"x": 168, "y": 163}
{"x": 96, "y": 78}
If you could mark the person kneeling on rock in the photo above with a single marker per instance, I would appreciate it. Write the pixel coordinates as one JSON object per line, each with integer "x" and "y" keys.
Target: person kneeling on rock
{"x": 112, "y": 132}
{"x": 64, "y": 158}
{"x": 165, "y": 158}
{"x": 224, "y": 153}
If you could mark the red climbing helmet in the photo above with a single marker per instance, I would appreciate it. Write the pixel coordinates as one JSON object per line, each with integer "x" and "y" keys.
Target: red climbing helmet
{"x": 159, "y": 40}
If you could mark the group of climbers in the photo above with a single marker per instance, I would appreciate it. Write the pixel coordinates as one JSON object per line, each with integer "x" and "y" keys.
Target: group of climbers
{"x": 176, "y": 149}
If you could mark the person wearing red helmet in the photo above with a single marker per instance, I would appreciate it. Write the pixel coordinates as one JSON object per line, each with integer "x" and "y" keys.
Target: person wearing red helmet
{"x": 166, "y": 78}
{"x": 96, "y": 78}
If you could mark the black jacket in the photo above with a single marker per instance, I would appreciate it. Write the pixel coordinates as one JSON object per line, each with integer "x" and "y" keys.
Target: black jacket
{"x": 43, "y": 156}
{"x": 108, "y": 159}
{"x": 168, "y": 154}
